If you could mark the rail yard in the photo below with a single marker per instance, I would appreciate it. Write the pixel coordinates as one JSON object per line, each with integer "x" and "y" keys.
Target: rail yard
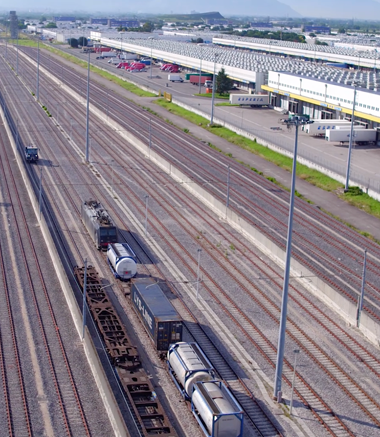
{"x": 232, "y": 313}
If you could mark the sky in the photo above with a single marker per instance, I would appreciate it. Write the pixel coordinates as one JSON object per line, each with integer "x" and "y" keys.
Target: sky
{"x": 292, "y": 8}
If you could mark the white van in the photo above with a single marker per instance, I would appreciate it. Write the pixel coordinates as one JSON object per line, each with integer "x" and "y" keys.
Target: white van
{"x": 175, "y": 78}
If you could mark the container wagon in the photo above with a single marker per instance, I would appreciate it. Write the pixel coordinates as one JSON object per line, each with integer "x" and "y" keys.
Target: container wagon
{"x": 122, "y": 261}
{"x": 98, "y": 224}
{"x": 159, "y": 317}
{"x": 216, "y": 410}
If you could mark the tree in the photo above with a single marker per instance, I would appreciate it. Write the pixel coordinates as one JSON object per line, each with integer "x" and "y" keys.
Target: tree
{"x": 148, "y": 27}
{"x": 82, "y": 41}
{"x": 199, "y": 41}
{"x": 73, "y": 43}
{"x": 223, "y": 83}
{"x": 341, "y": 30}
{"x": 51, "y": 25}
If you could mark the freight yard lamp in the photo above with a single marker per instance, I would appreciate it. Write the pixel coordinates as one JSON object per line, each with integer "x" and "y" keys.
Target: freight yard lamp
{"x": 296, "y": 120}
{"x": 355, "y": 84}
{"x": 213, "y": 91}
{"x": 151, "y": 55}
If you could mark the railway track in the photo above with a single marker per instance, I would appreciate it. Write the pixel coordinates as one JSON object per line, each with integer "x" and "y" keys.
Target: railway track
{"x": 61, "y": 377}
{"x": 141, "y": 208}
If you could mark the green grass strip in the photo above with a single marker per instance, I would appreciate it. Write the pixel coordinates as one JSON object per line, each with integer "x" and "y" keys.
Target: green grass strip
{"x": 354, "y": 196}
{"x": 216, "y": 96}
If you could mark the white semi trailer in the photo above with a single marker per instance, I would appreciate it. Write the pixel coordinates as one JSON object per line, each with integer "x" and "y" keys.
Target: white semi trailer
{"x": 319, "y": 127}
{"x": 343, "y": 135}
{"x": 249, "y": 99}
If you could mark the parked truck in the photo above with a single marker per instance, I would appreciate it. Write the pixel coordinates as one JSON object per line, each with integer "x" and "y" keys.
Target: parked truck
{"x": 187, "y": 75}
{"x": 360, "y": 136}
{"x": 249, "y": 99}
{"x": 320, "y": 127}
{"x": 108, "y": 54}
{"x": 195, "y": 79}
{"x": 128, "y": 56}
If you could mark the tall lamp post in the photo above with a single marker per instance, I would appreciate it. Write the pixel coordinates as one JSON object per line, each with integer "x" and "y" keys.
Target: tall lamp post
{"x": 294, "y": 121}
{"x": 87, "y": 152}
{"x": 356, "y": 84}
{"x": 213, "y": 91}
{"x": 151, "y": 55}
{"x": 200, "y": 70}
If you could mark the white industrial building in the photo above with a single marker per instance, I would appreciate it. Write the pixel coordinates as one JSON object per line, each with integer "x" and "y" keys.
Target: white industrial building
{"x": 296, "y": 86}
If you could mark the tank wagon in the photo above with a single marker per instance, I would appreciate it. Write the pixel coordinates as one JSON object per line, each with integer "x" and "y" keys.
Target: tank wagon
{"x": 159, "y": 317}
{"x": 213, "y": 405}
{"x": 188, "y": 365}
{"x": 122, "y": 261}
{"x": 98, "y": 224}
{"x": 216, "y": 410}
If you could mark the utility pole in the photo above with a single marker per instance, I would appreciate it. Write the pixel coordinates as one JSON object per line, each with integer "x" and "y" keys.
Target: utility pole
{"x": 213, "y": 92}
{"x": 351, "y": 139}
{"x": 38, "y": 70}
{"x": 88, "y": 109}
{"x": 294, "y": 121}
{"x": 84, "y": 298}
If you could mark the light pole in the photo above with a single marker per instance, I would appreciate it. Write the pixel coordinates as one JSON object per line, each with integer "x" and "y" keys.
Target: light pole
{"x": 296, "y": 352}
{"x": 17, "y": 57}
{"x": 198, "y": 269}
{"x": 213, "y": 91}
{"x": 151, "y": 55}
{"x": 84, "y": 297}
{"x": 350, "y": 140}
{"x": 38, "y": 69}
{"x": 200, "y": 71}
{"x": 40, "y": 194}
{"x": 146, "y": 213}
{"x": 294, "y": 121}
{"x": 361, "y": 300}
{"x": 88, "y": 109}
{"x": 112, "y": 162}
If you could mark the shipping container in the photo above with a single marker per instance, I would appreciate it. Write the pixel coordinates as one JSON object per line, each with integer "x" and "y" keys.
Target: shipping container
{"x": 187, "y": 75}
{"x": 195, "y": 79}
{"x": 161, "y": 320}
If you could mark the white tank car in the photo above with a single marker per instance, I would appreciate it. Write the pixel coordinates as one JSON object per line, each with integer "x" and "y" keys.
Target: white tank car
{"x": 216, "y": 410}
{"x": 188, "y": 365}
{"x": 121, "y": 259}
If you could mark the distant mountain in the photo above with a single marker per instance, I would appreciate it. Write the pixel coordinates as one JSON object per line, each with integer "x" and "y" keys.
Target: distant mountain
{"x": 264, "y": 8}
{"x": 192, "y": 17}
{"x": 362, "y": 10}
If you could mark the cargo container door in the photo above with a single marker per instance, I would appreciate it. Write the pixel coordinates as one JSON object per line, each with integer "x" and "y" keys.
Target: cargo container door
{"x": 167, "y": 334}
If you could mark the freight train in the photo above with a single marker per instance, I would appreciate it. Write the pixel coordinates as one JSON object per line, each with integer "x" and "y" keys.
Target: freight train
{"x": 122, "y": 261}
{"x": 98, "y": 224}
{"x": 212, "y": 404}
{"x": 159, "y": 317}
